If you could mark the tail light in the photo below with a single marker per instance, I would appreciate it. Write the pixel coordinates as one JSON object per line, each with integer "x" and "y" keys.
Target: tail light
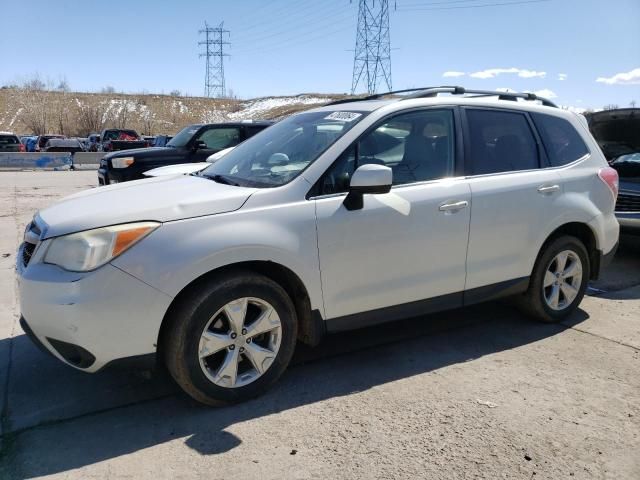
{"x": 610, "y": 177}
{"x": 21, "y": 148}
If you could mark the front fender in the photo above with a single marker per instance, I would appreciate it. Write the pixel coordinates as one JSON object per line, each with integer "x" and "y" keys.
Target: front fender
{"x": 180, "y": 252}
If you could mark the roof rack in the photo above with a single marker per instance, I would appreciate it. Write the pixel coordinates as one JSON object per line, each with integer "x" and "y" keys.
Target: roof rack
{"x": 426, "y": 92}
{"x": 513, "y": 96}
{"x": 375, "y": 96}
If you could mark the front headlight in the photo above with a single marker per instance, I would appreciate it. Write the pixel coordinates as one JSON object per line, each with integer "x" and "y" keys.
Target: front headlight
{"x": 122, "y": 162}
{"x": 84, "y": 251}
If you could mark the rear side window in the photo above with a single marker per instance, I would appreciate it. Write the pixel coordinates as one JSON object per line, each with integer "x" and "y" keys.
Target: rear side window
{"x": 500, "y": 142}
{"x": 561, "y": 141}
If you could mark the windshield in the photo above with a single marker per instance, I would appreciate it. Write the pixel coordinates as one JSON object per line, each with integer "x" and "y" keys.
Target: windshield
{"x": 183, "y": 136}
{"x": 279, "y": 153}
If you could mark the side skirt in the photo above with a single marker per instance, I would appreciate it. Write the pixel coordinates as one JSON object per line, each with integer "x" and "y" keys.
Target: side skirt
{"x": 425, "y": 307}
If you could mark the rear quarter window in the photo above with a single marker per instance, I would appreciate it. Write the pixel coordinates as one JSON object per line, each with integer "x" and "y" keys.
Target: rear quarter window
{"x": 561, "y": 141}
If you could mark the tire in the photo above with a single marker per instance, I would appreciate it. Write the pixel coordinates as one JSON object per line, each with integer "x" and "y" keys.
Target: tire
{"x": 208, "y": 310}
{"x": 538, "y": 300}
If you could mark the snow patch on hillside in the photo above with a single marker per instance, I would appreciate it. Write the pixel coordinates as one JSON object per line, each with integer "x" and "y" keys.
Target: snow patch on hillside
{"x": 259, "y": 107}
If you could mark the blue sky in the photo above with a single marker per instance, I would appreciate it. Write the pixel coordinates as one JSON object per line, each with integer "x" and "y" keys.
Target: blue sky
{"x": 283, "y": 47}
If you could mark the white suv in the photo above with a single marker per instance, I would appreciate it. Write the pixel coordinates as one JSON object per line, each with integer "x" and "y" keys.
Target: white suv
{"x": 347, "y": 215}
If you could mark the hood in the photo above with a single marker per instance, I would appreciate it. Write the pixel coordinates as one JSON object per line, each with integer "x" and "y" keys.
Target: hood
{"x": 180, "y": 169}
{"x": 161, "y": 199}
{"x": 616, "y": 131}
{"x": 142, "y": 152}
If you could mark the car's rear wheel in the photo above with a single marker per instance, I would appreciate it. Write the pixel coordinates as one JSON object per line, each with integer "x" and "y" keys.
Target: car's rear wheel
{"x": 558, "y": 281}
{"x": 230, "y": 338}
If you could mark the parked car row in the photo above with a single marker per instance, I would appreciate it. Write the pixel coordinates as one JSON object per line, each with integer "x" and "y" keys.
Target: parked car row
{"x": 352, "y": 214}
{"x": 114, "y": 139}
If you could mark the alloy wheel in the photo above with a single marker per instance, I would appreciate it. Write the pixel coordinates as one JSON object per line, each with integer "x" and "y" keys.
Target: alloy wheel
{"x": 240, "y": 342}
{"x": 562, "y": 280}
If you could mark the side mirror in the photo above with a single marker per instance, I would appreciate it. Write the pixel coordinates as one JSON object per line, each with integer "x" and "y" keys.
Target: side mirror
{"x": 373, "y": 179}
{"x": 199, "y": 145}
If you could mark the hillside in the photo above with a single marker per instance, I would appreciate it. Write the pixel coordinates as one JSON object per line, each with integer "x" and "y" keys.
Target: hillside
{"x": 26, "y": 111}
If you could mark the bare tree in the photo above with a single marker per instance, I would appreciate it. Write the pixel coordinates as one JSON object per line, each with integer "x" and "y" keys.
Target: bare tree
{"x": 91, "y": 118}
{"x": 632, "y": 104}
{"x": 611, "y": 106}
{"x": 35, "y": 106}
{"x": 63, "y": 85}
{"x": 108, "y": 90}
{"x": 175, "y": 93}
{"x": 122, "y": 117}
{"x": 149, "y": 122}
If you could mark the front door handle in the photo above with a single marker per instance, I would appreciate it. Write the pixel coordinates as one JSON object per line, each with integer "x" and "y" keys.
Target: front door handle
{"x": 453, "y": 206}
{"x": 544, "y": 189}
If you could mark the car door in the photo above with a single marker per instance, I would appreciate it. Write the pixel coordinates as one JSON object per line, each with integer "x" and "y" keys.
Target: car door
{"x": 403, "y": 247}
{"x": 513, "y": 197}
{"x": 215, "y": 138}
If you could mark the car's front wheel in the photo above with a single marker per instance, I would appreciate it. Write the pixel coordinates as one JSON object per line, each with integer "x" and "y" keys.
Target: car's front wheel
{"x": 230, "y": 338}
{"x": 559, "y": 280}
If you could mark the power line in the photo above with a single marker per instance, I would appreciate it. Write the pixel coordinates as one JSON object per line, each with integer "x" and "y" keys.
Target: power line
{"x": 214, "y": 84}
{"x": 286, "y": 15}
{"x": 295, "y": 33}
{"x": 372, "y": 56}
{"x": 305, "y": 38}
{"x": 502, "y": 4}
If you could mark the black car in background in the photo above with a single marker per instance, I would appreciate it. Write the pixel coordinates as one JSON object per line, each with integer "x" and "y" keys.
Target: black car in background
{"x": 70, "y": 145}
{"x": 618, "y": 134}
{"x": 43, "y": 139}
{"x": 192, "y": 144}
{"x": 10, "y": 142}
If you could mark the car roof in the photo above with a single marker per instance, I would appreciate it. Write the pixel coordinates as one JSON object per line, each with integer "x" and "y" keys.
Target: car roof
{"x": 455, "y": 95}
{"x": 495, "y": 100}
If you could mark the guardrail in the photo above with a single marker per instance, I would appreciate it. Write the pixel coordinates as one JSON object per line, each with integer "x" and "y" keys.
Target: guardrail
{"x": 50, "y": 161}
{"x": 35, "y": 161}
{"x": 87, "y": 160}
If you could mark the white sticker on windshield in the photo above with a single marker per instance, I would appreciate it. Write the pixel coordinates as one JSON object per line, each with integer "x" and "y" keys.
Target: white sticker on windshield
{"x": 343, "y": 116}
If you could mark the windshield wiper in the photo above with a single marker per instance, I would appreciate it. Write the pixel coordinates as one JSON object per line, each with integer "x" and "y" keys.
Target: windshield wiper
{"x": 222, "y": 179}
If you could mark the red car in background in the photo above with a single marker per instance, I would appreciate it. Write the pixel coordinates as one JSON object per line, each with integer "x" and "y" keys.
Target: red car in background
{"x": 114, "y": 139}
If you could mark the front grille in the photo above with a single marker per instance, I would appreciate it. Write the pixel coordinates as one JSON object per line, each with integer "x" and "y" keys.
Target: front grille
{"x": 27, "y": 252}
{"x": 628, "y": 202}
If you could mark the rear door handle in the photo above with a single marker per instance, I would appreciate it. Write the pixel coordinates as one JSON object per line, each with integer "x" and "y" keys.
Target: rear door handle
{"x": 543, "y": 189}
{"x": 453, "y": 206}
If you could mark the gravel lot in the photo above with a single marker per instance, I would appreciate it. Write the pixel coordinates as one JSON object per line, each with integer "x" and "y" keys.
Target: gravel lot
{"x": 475, "y": 393}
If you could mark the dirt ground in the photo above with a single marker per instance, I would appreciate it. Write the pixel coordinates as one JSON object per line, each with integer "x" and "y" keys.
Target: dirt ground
{"x": 480, "y": 392}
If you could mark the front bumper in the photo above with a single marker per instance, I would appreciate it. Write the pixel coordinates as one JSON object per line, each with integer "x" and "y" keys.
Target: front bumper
{"x": 88, "y": 320}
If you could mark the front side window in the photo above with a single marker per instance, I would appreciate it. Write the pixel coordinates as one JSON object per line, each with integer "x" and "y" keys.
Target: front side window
{"x": 219, "y": 138}
{"x": 417, "y": 146}
{"x": 278, "y": 154}
{"x": 499, "y": 142}
{"x": 561, "y": 141}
